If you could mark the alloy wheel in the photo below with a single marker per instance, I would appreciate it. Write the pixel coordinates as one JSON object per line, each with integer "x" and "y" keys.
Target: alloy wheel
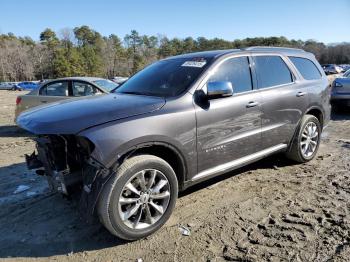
{"x": 309, "y": 139}
{"x": 144, "y": 199}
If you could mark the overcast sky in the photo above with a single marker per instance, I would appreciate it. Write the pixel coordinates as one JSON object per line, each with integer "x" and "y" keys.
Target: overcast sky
{"x": 326, "y": 21}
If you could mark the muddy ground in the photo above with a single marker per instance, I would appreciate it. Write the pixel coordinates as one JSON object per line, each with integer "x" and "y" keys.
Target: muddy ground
{"x": 272, "y": 210}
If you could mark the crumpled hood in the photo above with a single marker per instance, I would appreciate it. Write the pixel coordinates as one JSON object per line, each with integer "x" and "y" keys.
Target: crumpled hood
{"x": 72, "y": 116}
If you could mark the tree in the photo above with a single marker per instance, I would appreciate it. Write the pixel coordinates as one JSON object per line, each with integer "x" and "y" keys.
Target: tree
{"x": 68, "y": 63}
{"x": 133, "y": 43}
{"x": 114, "y": 57}
{"x": 15, "y": 60}
{"x": 48, "y": 37}
{"x": 83, "y": 51}
{"x": 40, "y": 58}
{"x": 90, "y": 46}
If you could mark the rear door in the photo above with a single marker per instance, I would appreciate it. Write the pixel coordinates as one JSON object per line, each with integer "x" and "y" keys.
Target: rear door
{"x": 51, "y": 92}
{"x": 284, "y": 98}
{"x": 228, "y": 128}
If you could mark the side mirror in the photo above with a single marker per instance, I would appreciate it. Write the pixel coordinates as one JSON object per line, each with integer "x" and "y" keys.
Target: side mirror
{"x": 219, "y": 89}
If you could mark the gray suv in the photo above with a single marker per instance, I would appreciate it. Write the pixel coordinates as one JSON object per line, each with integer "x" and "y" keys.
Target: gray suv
{"x": 178, "y": 122}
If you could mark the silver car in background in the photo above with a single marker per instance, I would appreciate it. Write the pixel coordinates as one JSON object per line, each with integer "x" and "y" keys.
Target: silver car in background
{"x": 341, "y": 90}
{"x": 63, "y": 88}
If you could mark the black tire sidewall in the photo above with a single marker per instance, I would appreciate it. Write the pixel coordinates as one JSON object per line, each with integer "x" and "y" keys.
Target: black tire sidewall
{"x": 113, "y": 212}
{"x": 306, "y": 120}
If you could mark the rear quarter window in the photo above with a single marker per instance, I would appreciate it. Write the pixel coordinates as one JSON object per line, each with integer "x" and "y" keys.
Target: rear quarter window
{"x": 306, "y": 67}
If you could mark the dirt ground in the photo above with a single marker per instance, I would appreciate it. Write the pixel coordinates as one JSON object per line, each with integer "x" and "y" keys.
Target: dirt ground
{"x": 272, "y": 210}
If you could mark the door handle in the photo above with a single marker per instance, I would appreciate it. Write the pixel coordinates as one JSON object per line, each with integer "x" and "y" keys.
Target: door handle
{"x": 300, "y": 94}
{"x": 252, "y": 104}
{"x": 44, "y": 101}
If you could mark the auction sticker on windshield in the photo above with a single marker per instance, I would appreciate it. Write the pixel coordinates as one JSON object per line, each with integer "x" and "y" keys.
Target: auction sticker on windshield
{"x": 194, "y": 63}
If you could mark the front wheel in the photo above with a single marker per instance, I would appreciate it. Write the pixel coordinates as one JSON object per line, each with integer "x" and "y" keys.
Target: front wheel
{"x": 306, "y": 141}
{"x": 139, "y": 198}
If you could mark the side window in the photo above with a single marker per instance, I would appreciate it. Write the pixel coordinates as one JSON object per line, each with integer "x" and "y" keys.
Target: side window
{"x": 83, "y": 89}
{"x": 55, "y": 89}
{"x": 272, "y": 71}
{"x": 306, "y": 68}
{"x": 237, "y": 71}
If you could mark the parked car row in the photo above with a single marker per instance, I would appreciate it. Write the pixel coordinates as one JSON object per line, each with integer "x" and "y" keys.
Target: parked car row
{"x": 26, "y": 85}
{"x": 31, "y": 85}
{"x": 177, "y": 122}
{"x": 8, "y": 85}
{"x": 335, "y": 69}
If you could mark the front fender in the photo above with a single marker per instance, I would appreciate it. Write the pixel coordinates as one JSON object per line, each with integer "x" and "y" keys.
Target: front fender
{"x": 114, "y": 139}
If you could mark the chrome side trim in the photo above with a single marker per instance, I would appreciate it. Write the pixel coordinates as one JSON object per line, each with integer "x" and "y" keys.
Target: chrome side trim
{"x": 239, "y": 162}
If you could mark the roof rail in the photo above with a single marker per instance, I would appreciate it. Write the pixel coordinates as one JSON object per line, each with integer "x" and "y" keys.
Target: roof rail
{"x": 275, "y": 48}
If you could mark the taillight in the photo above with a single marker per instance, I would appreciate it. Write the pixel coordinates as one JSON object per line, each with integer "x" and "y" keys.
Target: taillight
{"x": 18, "y": 100}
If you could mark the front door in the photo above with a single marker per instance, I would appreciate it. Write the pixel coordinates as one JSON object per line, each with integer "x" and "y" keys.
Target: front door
{"x": 229, "y": 128}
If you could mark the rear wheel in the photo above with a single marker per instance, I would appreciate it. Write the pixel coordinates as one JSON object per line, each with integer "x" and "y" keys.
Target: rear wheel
{"x": 306, "y": 141}
{"x": 139, "y": 198}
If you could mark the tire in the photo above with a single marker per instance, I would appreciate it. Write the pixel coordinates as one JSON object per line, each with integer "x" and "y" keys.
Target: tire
{"x": 296, "y": 152}
{"x": 111, "y": 207}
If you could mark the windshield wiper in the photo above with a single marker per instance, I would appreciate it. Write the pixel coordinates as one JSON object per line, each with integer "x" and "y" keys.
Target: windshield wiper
{"x": 136, "y": 93}
{"x": 131, "y": 93}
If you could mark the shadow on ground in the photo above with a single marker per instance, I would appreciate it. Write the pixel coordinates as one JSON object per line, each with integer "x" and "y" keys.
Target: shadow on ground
{"x": 49, "y": 224}
{"x": 340, "y": 113}
{"x": 45, "y": 224}
{"x": 272, "y": 162}
{"x": 13, "y": 131}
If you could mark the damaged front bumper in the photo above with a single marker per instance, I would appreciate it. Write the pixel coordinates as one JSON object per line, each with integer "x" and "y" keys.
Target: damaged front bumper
{"x": 67, "y": 164}
{"x": 59, "y": 159}
{"x": 57, "y": 180}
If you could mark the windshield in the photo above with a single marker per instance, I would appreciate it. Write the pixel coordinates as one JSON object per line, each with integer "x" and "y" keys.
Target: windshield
{"x": 106, "y": 84}
{"x": 166, "y": 78}
{"x": 347, "y": 73}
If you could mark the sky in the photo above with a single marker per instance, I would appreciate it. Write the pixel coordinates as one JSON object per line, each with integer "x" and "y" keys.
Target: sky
{"x": 327, "y": 21}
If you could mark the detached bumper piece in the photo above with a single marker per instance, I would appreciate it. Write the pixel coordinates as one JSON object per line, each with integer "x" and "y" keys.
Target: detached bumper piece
{"x": 33, "y": 162}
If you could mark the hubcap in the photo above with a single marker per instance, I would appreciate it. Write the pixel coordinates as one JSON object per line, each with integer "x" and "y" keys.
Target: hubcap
{"x": 144, "y": 199}
{"x": 309, "y": 139}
